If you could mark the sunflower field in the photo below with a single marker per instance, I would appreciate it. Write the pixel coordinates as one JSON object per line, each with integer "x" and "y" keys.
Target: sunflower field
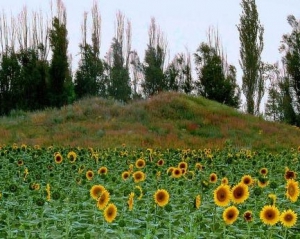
{"x": 61, "y": 192}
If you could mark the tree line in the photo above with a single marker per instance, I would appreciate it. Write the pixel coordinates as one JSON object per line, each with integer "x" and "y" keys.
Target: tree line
{"x": 36, "y": 72}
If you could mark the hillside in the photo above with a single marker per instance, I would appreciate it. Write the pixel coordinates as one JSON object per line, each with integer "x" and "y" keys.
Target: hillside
{"x": 169, "y": 120}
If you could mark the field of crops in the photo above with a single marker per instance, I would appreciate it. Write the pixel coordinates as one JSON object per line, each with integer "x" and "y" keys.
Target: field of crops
{"x": 60, "y": 192}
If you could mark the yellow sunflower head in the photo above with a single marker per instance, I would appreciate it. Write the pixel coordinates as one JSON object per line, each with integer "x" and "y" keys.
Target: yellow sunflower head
{"x": 213, "y": 178}
{"x": 125, "y": 175}
{"x": 103, "y": 170}
{"x": 130, "y": 201}
{"x": 222, "y": 195}
{"x": 247, "y": 179}
{"x": 183, "y": 165}
{"x": 139, "y": 176}
{"x": 72, "y": 156}
{"x": 58, "y": 158}
{"x": 103, "y": 200}
{"x": 89, "y": 175}
{"x": 288, "y": 218}
{"x": 224, "y": 181}
{"x": 248, "y": 216}
{"x": 239, "y": 193}
{"x": 170, "y": 170}
{"x": 230, "y": 215}
{"x": 197, "y": 201}
{"x": 292, "y": 190}
{"x": 199, "y": 166}
{"x": 262, "y": 182}
{"x": 269, "y": 215}
{"x": 160, "y": 162}
{"x": 176, "y": 173}
{"x": 289, "y": 174}
{"x": 161, "y": 197}
{"x": 140, "y": 163}
{"x": 263, "y": 171}
{"x": 96, "y": 191}
{"x": 110, "y": 213}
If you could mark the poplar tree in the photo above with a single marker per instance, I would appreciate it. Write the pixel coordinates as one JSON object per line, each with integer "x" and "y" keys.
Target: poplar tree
{"x": 251, "y": 39}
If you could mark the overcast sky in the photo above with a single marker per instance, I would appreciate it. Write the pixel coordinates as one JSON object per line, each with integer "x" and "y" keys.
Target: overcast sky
{"x": 184, "y": 23}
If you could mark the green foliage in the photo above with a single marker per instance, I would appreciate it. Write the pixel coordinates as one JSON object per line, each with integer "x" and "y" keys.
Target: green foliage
{"x": 212, "y": 82}
{"x": 251, "y": 39}
{"x": 89, "y": 75}
{"x": 60, "y": 90}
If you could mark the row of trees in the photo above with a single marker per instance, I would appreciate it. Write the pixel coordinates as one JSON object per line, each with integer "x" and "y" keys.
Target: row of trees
{"x": 35, "y": 66}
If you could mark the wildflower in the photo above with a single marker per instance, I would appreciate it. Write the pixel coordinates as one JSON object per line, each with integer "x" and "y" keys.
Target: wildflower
{"x": 263, "y": 171}
{"x": 224, "y": 181}
{"x": 161, "y": 197}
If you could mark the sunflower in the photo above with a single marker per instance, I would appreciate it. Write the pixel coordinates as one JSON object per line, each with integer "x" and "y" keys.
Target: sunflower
{"x": 160, "y": 162}
{"x": 161, "y": 197}
{"x": 176, "y": 173}
{"x": 270, "y": 215}
{"x": 72, "y": 156}
{"x": 222, "y": 195}
{"x": 263, "y": 171}
{"x": 213, "y": 178}
{"x": 110, "y": 212}
{"x": 183, "y": 165}
{"x": 248, "y": 216}
{"x": 292, "y": 190}
{"x": 197, "y": 201}
{"x": 125, "y": 175}
{"x": 138, "y": 176}
{"x": 262, "y": 182}
{"x": 103, "y": 200}
{"x": 96, "y": 191}
{"x": 102, "y": 170}
{"x": 247, "y": 179}
{"x": 89, "y": 175}
{"x": 239, "y": 193}
{"x": 130, "y": 201}
{"x": 20, "y": 162}
{"x": 288, "y": 218}
{"x": 289, "y": 174}
{"x": 224, "y": 181}
{"x": 170, "y": 170}
{"x": 230, "y": 215}
{"x": 58, "y": 158}
{"x": 138, "y": 192}
{"x": 199, "y": 166}
{"x": 140, "y": 163}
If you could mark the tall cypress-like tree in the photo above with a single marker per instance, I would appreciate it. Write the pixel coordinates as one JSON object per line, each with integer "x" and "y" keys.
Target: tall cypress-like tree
{"x": 251, "y": 38}
{"x": 154, "y": 80}
{"x": 291, "y": 59}
{"x": 61, "y": 89}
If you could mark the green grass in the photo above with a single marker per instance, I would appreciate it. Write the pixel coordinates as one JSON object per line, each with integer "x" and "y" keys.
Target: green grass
{"x": 168, "y": 120}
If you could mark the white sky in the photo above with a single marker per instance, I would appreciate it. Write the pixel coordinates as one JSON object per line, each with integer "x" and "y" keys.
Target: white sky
{"x": 184, "y": 22}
